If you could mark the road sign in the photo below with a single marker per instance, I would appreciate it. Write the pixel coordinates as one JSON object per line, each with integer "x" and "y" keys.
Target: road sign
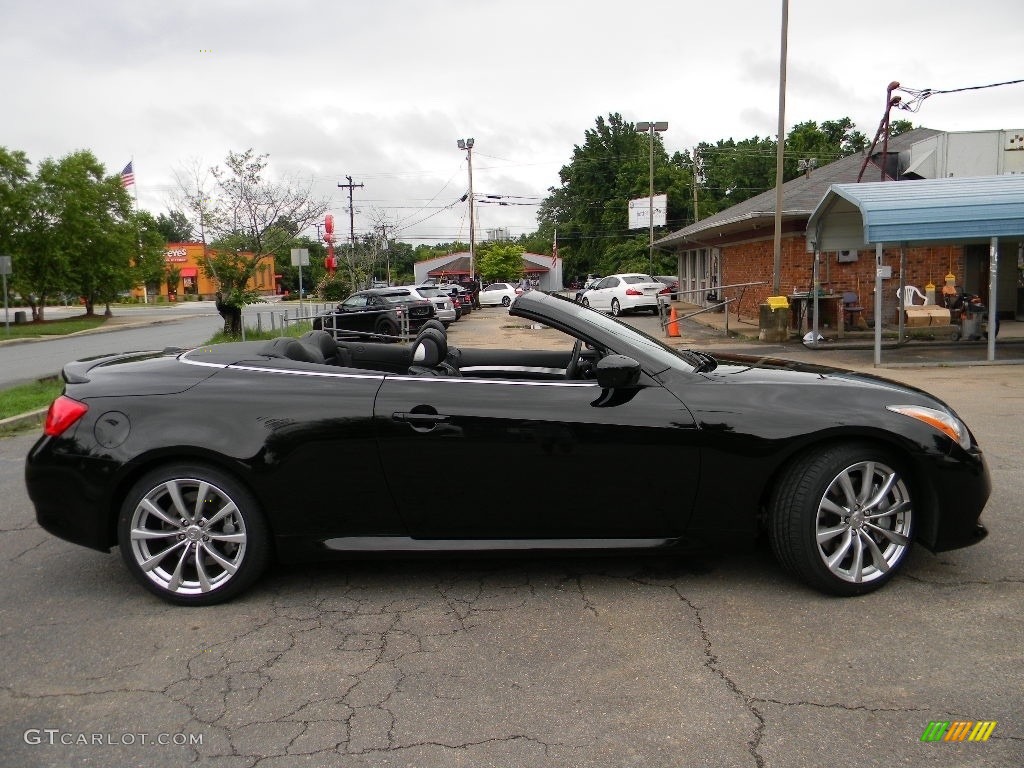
{"x": 5, "y": 265}
{"x": 640, "y": 211}
{"x": 300, "y": 257}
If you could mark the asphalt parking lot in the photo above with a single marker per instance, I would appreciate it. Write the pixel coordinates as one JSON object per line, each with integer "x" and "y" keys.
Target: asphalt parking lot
{"x": 717, "y": 660}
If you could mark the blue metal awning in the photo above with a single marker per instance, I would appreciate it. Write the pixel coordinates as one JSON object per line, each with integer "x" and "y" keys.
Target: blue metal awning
{"x": 852, "y": 216}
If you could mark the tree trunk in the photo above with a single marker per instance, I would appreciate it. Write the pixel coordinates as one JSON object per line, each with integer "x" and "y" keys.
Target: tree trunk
{"x": 232, "y": 317}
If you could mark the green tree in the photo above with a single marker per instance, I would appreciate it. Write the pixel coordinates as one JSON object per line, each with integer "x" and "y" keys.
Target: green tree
{"x": 250, "y": 219}
{"x": 175, "y": 226}
{"x": 590, "y": 208}
{"x": 149, "y": 260}
{"x": 15, "y": 199}
{"x": 81, "y": 237}
{"x": 499, "y": 261}
{"x": 898, "y": 127}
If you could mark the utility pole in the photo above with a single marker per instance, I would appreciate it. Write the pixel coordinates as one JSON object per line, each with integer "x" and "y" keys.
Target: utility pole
{"x": 696, "y": 215}
{"x": 467, "y": 144}
{"x": 387, "y": 251}
{"x": 351, "y": 228}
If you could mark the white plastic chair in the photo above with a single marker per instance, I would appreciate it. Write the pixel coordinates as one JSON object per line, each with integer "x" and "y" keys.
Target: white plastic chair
{"x": 911, "y": 292}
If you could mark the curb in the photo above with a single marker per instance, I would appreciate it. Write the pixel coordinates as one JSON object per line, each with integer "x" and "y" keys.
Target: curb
{"x": 36, "y": 418}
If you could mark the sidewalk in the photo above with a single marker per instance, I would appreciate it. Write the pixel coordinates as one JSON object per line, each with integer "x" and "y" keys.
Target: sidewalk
{"x": 923, "y": 346}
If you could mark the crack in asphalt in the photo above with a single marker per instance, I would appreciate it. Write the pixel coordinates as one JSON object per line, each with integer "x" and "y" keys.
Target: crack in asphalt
{"x": 366, "y": 650}
{"x": 711, "y": 661}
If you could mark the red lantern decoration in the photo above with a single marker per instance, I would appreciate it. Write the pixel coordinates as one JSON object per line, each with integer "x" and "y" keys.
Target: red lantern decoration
{"x": 329, "y": 224}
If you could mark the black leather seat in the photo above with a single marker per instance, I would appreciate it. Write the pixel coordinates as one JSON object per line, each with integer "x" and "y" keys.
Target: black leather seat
{"x": 292, "y": 349}
{"x": 429, "y": 351}
{"x": 333, "y": 352}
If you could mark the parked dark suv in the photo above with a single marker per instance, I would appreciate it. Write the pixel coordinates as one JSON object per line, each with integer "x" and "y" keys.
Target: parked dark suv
{"x": 386, "y": 312}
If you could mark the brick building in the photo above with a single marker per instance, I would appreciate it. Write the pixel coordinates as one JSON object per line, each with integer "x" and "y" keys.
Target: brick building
{"x": 737, "y": 245}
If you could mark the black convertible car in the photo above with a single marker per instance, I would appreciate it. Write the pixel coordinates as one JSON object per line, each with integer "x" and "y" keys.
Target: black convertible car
{"x": 204, "y": 465}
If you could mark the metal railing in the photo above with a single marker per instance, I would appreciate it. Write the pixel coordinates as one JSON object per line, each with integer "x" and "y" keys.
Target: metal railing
{"x": 714, "y": 290}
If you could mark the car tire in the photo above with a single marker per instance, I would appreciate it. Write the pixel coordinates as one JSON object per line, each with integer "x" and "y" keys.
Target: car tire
{"x": 505, "y": 301}
{"x": 385, "y": 327}
{"x": 841, "y": 519}
{"x": 585, "y": 301}
{"x": 176, "y": 512}
{"x": 616, "y": 309}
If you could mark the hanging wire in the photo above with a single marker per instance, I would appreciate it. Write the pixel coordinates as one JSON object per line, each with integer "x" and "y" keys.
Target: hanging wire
{"x": 918, "y": 95}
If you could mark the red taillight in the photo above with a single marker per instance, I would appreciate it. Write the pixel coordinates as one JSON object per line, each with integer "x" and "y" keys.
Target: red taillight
{"x": 666, "y": 289}
{"x": 62, "y": 414}
{"x": 634, "y": 292}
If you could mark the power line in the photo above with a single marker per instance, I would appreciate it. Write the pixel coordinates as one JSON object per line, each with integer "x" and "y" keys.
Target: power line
{"x": 918, "y": 95}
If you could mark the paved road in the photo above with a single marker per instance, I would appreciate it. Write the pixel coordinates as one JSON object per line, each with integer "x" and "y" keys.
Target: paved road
{"x": 718, "y": 661}
{"x": 134, "y": 327}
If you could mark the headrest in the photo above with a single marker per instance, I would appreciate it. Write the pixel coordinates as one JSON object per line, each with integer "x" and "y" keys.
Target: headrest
{"x": 292, "y": 349}
{"x": 429, "y": 349}
{"x": 323, "y": 341}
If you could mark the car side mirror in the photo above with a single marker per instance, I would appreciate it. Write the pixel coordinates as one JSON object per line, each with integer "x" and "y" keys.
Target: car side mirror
{"x": 618, "y": 372}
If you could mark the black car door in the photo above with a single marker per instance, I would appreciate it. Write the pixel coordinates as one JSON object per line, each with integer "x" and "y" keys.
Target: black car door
{"x": 490, "y": 458}
{"x": 356, "y": 314}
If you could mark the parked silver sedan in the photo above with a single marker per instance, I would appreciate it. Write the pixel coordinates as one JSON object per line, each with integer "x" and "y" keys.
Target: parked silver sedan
{"x": 443, "y": 304}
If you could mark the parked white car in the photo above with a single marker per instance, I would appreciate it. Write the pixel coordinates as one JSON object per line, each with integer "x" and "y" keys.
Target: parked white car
{"x": 498, "y": 293}
{"x": 633, "y": 292}
{"x": 443, "y": 303}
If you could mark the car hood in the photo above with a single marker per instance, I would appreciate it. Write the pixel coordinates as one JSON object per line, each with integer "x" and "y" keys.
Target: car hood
{"x": 791, "y": 374}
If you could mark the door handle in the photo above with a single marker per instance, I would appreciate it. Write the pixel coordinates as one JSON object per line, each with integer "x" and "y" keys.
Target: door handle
{"x": 421, "y": 422}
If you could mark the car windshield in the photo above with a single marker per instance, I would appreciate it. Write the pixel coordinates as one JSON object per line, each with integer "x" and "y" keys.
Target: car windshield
{"x": 638, "y": 279}
{"x": 429, "y": 291}
{"x": 399, "y": 297}
{"x": 665, "y": 356}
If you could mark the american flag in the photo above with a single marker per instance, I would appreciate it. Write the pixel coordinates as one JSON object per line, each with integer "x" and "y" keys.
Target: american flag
{"x": 127, "y": 176}
{"x": 554, "y": 254}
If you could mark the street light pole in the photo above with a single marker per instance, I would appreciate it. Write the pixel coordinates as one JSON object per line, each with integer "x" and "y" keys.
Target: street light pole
{"x": 467, "y": 144}
{"x": 649, "y": 128}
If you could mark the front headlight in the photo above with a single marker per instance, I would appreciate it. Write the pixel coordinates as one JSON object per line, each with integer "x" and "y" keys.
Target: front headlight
{"x": 944, "y": 422}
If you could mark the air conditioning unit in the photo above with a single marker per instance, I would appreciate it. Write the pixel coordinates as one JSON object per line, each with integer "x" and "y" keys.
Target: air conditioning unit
{"x": 846, "y": 256}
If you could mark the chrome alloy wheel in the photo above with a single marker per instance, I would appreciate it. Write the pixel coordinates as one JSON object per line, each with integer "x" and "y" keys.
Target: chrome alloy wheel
{"x": 863, "y": 523}
{"x": 187, "y": 536}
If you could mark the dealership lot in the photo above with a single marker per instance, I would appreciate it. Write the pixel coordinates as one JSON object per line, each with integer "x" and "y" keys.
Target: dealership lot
{"x": 718, "y": 660}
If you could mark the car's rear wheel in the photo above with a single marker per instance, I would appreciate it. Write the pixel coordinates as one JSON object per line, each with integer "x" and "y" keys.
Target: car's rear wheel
{"x": 192, "y": 535}
{"x": 842, "y": 519}
{"x": 505, "y": 301}
{"x": 616, "y": 309}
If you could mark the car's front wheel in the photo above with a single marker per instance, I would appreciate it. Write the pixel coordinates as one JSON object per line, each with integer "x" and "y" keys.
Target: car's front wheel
{"x": 192, "y": 535}
{"x": 842, "y": 519}
{"x": 616, "y": 309}
{"x": 386, "y": 327}
{"x": 585, "y": 301}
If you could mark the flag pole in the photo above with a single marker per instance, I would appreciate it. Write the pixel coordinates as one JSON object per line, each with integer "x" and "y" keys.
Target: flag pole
{"x": 138, "y": 232}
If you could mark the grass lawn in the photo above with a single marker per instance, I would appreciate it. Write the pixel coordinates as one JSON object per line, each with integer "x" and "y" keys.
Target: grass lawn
{"x": 61, "y": 327}
{"x": 31, "y": 397}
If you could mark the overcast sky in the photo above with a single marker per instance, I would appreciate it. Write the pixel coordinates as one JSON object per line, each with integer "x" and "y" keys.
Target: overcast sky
{"x": 381, "y": 90}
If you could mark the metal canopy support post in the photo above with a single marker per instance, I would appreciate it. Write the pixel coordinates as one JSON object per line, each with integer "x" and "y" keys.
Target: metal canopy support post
{"x": 902, "y": 295}
{"x": 993, "y": 274}
{"x": 878, "y": 303}
{"x": 816, "y": 287}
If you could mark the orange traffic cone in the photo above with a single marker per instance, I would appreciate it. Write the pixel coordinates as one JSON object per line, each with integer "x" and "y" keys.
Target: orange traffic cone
{"x": 673, "y": 323}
